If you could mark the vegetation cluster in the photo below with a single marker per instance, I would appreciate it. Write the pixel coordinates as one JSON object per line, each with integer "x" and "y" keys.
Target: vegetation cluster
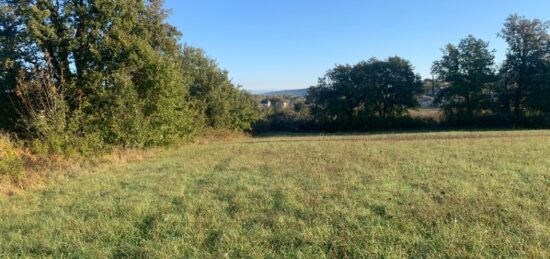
{"x": 77, "y": 77}
{"x": 470, "y": 89}
{"x": 81, "y": 77}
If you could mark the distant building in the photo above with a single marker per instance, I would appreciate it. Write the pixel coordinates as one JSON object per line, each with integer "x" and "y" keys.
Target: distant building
{"x": 266, "y": 103}
{"x": 282, "y": 105}
{"x": 278, "y": 103}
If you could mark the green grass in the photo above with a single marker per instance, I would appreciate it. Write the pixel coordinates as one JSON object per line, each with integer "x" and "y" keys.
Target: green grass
{"x": 459, "y": 194}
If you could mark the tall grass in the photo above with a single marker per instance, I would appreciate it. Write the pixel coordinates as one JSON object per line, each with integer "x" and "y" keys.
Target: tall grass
{"x": 460, "y": 194}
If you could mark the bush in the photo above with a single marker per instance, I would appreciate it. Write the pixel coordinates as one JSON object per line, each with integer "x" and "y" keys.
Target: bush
{"x": 11, "y": 163}
{"x": 284, "y": 120}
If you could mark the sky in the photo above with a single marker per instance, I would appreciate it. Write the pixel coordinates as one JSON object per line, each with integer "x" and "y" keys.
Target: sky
{"x": 289, "y": 44}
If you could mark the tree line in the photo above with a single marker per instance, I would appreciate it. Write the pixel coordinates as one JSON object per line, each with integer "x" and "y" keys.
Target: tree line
{"x": 518, "y": 89}
{"x": 474, "y": 90}
{"x": 83, "y": 75}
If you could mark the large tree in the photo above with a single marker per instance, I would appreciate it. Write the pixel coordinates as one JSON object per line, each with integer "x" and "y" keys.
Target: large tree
{"x": 10, "y": 57}
{"x": 388, "y": 86}
{"x": 374, "y": 91}
{"x": 469, "y": 68}
{"x": 105, "y": 69}
{"x": 333, "y": 100}
{"x": 526, "y": 62}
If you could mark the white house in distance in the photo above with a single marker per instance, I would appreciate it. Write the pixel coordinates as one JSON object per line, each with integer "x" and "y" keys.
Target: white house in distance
{"x": 265, "y": 103}
{"x": 274, "y": 102}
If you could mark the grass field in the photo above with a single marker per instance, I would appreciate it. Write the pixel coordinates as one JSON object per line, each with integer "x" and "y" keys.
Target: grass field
{"x": 458, "y": 194}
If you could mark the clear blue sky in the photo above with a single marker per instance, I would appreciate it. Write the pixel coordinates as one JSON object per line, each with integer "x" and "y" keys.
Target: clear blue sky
{"x": 286, "y": 44}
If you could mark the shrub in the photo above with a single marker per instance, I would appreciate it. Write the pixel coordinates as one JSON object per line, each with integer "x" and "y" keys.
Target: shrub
{"x": 11, "y": 163}
{"x": 281, "y": 120}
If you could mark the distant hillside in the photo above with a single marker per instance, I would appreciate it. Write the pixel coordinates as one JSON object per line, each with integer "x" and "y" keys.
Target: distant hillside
{"x": 293, "y": 92}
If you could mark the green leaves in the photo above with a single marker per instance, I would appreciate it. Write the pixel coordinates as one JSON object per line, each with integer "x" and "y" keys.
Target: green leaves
{"x": 221, "y": 104}
{"x": 111, "y": 72}
{"x": 525, "y": 65}
{"x": 469, "y": 70}
{"x": 365, "y": 95}
{"x": 11, "y": 163}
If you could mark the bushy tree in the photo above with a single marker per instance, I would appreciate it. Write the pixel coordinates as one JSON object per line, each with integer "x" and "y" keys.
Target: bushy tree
{"x": 368, "y": 93}
{"x": 469, "y": 68}
{"x": 115, "y": 67}
{"x": 389, "y": 86}
{"x": 523, "y": 87}
{"x": 333, "y": 101}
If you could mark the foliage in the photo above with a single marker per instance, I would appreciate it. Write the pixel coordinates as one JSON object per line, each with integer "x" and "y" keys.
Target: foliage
{"x": 83, "y": 76}
{"x": 99, "y": 70}
{"x": 221, "y": 104}
{"x": 524, "y": 81}
{"x": 10, "y": 33}
{"x": 295, "y": 119}
{"x": 91, "y": 74}
{"x": 538, "y": 100}
{"x": 11, "y": 163}
{"x": 468, "y": 68}
{"x": 363, "y": 95}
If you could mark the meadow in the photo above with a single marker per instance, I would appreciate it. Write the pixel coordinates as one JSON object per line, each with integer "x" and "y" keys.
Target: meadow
{"x": 453, "y": 194}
